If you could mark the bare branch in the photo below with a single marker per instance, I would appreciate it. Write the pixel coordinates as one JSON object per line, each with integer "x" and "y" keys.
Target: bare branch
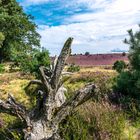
{"x": 79, "y": 98}
{"x": 13, "y": 108}
{"x": 44, "y": 79}
{"x": 61, "y": 62}
{"x": 38, "y": 82}
{"x": 67, "y": 73}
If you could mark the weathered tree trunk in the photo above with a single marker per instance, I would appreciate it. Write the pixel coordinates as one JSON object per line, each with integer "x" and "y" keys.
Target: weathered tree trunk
{"x": 42, "y": 123}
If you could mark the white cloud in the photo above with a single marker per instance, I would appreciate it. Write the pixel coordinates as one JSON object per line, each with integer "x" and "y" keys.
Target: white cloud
{"x": 96, "y": 32}
{"x": 86, "y": 38}
{"x": 125, "y": 5}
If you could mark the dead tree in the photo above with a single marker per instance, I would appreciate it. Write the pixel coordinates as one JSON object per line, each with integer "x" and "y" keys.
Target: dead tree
{"x": 42, "y": 122}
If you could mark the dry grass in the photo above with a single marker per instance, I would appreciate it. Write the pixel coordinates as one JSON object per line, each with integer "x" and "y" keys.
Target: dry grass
{"x": 98, "y": 68}
{"x": 13, "y": 83}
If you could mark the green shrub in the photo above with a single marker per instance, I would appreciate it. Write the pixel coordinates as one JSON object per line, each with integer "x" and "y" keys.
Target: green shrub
{"x": 2, "y": 69}
{"x": 73, "y": 68}
{"x": 30, "y": 63}
{"x": 128, "y": 83}
{"x": 119, "y": 66}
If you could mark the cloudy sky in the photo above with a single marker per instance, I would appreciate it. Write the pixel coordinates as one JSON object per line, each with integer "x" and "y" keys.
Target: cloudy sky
{"x": 98, "y": 26}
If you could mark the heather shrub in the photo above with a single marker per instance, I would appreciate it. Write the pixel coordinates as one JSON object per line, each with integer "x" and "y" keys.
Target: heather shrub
{"x": 74, "y": 128}
{"x": 95, "y": 120}
{"x": 107, "y": 119}
{"x": 131, "y": 107}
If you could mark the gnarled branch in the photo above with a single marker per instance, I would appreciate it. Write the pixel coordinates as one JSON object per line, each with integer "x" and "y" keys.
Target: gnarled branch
{"x": 61, "y": 63}
{"x": 80, "y": 97}
{"x": 13, "y": 108}
{"x": 44, "y": 79}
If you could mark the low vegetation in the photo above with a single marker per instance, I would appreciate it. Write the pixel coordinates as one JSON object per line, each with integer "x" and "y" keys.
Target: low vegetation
{"x": 113, "y": 113}
{"x": 106, "y": 116}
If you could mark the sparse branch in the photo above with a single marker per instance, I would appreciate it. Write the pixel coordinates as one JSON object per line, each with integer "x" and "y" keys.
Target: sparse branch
{"x": 61, "y": 63}
{"x": 13, "y": 108}
{"x": 44, "y": 79}
{"x": 80, "y": 97}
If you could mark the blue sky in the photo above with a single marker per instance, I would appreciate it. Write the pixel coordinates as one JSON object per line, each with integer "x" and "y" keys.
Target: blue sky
{"x": 98, "y": 26}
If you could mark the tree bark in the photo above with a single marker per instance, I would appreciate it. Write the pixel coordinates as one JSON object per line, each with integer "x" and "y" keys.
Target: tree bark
{"x": 42, "y": 122}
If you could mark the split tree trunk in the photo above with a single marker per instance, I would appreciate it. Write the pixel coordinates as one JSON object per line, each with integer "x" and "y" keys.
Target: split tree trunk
{"x": 42, "y": 123}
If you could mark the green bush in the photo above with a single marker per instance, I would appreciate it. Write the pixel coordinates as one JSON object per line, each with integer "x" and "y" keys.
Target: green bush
{"x": 2, "y": 69}
{"x": 128, "y": 83}
{"x": 119, "y": 66}
{"x": 73, "y": 68}
{"x": 30, "y": 63}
